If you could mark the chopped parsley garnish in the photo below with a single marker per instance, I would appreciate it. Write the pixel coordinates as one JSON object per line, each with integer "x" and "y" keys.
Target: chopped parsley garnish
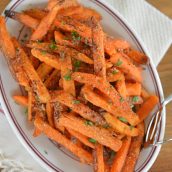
{"x": 43, "y": 52}
{"x": 92, "y": 140}
{"x": 122, "y": 119}
{"x": 87, "y": 122}
{"x": 75, "y": 36}
{"x": 119, "y": 63}
{"x": 76, "y": 102}
{"x": 121, "y": 99}
{"x": 114, "y": 72}
{"x": 67, "y": 77}
{"x": 135, "y": 99}
{"x": 53, "y": 46}
{"x": 77, "y": 65}
{"x": 106, "y": 126}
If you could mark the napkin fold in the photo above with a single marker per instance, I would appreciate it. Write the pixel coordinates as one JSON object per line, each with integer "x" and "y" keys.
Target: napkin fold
{"x": 155, "y": 30}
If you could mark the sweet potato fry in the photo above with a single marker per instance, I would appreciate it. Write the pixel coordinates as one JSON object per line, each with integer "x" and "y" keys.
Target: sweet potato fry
{"x": 49, "y": 59}
{"x": 133, "y": 89}
{"x": 81, "y": 137}
{"x": 43, "y": 71}
{"x": 23, "y": 18}
{"x": 121, "y": 156}
{"x": 147, "y": 107}
{"x": 98, "y": 49}
{"x": 60, "y": 50}
{"x": 66, "y": 70}
{"x": 30, "y": 100}
{"x": 145, "y": 95}
{"x": 126, "y": 66}
{"x": 44, "y": 25}
{"x": 22, "y": 100}
{"x": 49, "y": 110}
{"x": 134, "y": 150}
{"x": 78, "y": 107}
{"x": 36, "y": 132}
{"x": 98, "y": 159}
{"x": 35, "y": 13}
{"x": 119, "y": 126}
{"x": 122, "y": 106}
{"x": 137, "y": 56}
{"x": 61, "y": 139}
{"x": 34, "y": 80}
{"x": 101, "y": 135}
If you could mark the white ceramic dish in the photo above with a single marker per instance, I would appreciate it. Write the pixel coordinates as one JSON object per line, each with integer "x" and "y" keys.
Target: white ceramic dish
{"x": 58, "y": 159}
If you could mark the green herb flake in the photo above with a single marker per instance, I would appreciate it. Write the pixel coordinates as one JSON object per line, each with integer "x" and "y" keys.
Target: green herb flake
{"x": 114, "y": 72}
{"x": 106, "y": 126}
{"x": 87, "y": 122}
{"x": 121, "y": 99}
{"x": 77, "y": 65}
{"x": 43, "y": 52}
{"x": 75, "y": 36}
{"x": 135, "y": 99}
{"x": 76, "y": 102}
{"x": 67, "y": 77}
{"x": 53, "y": 46}
{"x": 92, "y": 140}
{"x": 122, "y": 119}
{"x": 119, "y": 63}
{"x": 131, "y": 127}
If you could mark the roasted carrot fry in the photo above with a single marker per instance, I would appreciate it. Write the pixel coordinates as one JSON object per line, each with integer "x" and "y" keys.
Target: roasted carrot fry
{"x": 49, "y": 111}
{"x": 147, "y": 107}
{"x": 113, "y": 74}
{"x": 98, "y": 159}
{"x": 121, "y": 156}
{"x": 98, "y": 49}
{"x": 145, "y": 95}
{"x": 119, "y": 126}
{"x": 61, "y": 139}
{"x": 45, "y": 24}
{"x": 101, "y": 135}
{"x": 43, "y": 71}
{"x": 108, "y": 64}
{"x": 60, "y": 50}
{"x": 23, "y": 18}
{"x": 122, "y": 106}
{"x": 133, "y": 89}
{"x": 30, "y": 100}
{"x": 137, "y": 56}
{"x": 126, "y": 66}
{"x": 78, "y": 107}
{"x": 35, "y": 13}
{"x": 121, "y": 87}
{"x": 36, "y": 132}
{"x": 66, "y": 70}
{"x": 22, "y": 100}
{"x": 134, "y": 150}
{"x": 81, "y": 137}
{"x": 35, "y": 62}
{"x": 49, "y": 59}
{"x": 35, "y": 82}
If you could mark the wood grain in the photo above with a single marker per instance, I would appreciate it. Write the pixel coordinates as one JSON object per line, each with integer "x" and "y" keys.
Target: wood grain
{"x": 163, "y": 162}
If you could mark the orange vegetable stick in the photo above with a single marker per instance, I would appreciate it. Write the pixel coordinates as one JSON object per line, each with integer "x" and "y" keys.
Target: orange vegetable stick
{"x": 49, "y": 110}
{"x": 36, "y": 132}
{"x": 22, "y": 100}
{"x": 45, "y": 24}
{"x": 78, "y": 107}
{"x": 134, "y": 150}
{"x": 81, "y": 137}
{"x": 126, "y": 66}
{"x": 147, "y": 107}
{"x": 49, "y": 59}
{"x": 98, "y": 159}
{"x": 122, "y": 106}
{"x": 145, "y": 95}
{"x": 61, "y": 49}
{"x": 43, "y": 71}
{"x": 137, "y": 56}
{"x": 30, "y": 100}
{"x": 121, "y": 87}
{"x": 70, "y": 11}
{"x": 61, "y": 139}
{"x": 35, "y": 13}
{"x": 101, "y": 135}
{"x": 66, "y": 70}
{"x": 113, "y": 74}
{"x": 23, "y": 18}
{"x": 119, "y": 126}
{"x": 133, "y": 89}
{"x": 98, "y": 49}
{"x": 121, "y": 156}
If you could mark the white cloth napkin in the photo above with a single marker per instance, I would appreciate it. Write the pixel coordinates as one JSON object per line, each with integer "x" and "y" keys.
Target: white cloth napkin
{"x": 153, "y": 27}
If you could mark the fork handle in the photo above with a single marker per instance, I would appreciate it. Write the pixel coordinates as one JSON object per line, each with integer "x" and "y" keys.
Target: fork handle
{"x": 161, "y": 142}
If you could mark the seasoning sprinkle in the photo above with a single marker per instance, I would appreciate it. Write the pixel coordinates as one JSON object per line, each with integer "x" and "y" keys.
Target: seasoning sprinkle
{"x": 75, "y": 101}
{"x": 92, "y": 140}
{"x": 122, "y": 119}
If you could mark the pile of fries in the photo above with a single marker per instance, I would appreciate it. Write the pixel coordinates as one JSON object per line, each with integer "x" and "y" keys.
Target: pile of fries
{"x": 84, "y": 88}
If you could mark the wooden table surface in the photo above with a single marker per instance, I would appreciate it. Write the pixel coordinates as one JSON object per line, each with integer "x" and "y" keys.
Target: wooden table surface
{"x": 163, "y": 162}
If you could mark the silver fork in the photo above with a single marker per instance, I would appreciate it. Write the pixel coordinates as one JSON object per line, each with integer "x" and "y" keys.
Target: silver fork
{"x": 154, "y": 124}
